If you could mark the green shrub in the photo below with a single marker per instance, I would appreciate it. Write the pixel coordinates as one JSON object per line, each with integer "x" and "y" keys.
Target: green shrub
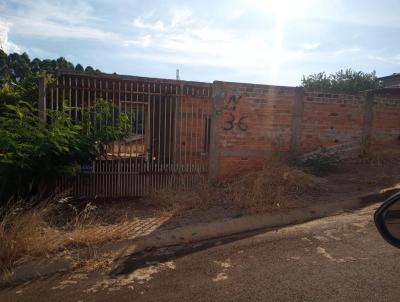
{"x": 344, "y": 80}
{"x": 33, "y": 153}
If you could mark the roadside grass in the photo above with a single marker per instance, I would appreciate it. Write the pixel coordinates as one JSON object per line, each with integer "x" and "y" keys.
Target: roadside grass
{"x": 61, "y": 224}
{"x": 176, "y": 201}
{"x": 276, "y": 185}
{"x": 44, "y": 228}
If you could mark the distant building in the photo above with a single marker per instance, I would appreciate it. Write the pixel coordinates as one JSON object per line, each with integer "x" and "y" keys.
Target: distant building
{"x": 392, "y": 81}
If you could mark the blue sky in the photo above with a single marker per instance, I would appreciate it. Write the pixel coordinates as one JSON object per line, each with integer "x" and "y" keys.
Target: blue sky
{"x": 258, "y": 41}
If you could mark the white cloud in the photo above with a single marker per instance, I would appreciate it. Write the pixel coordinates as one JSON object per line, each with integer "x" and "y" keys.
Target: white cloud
{"x": 75, "y": 20}
{"x": 143, "y": 41}
{"x": 310, "y": 46}
{"x": 188, "y": 39}
{"x": 179, "y": 17}
{"x": 49, "y": 29}
{"x": 347, "y": 50}
{"x": 6, "y": 45}
{"x": 262, "y": 38}
{"x": 388, "y": 59}
{"x": 39, "y": 52}
{"x": 140, "y": 23}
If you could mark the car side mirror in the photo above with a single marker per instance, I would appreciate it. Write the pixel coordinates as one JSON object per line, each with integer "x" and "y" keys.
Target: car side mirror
{"x": 387, "y": 220}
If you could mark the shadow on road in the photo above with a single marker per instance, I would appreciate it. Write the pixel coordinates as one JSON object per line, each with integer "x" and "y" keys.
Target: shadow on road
{"x": 156, "y": 255}
{"x": 146, "y": 258}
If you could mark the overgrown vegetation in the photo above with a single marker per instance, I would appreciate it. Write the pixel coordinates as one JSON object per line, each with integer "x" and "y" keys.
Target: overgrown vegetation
{"x": 33, "y": 153}
{"x": 40, "y": 227}
{"x": 275, "y": 186}
{"x": 344, "y": 80}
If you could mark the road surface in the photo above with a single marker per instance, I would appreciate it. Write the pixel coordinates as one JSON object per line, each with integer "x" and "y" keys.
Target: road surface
{"x": 339, "y": 258}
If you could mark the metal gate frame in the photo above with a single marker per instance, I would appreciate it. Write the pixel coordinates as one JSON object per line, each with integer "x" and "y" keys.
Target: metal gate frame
{"x": 170, "y": 145}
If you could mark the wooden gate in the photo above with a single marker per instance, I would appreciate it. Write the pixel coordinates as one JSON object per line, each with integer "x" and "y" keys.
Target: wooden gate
{"x": 168, "y": 143}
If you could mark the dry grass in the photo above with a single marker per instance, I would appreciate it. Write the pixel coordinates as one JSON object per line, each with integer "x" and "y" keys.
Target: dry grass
{"x": 381, "y": 156}
{"x": 98, "y": 262}
{"x": 21, "y": 233}
{"x": 37, "y": 230}
{"x": 58, "y": 224}
{"x": 170, "y": 200}
{"x": 276, "y": 185}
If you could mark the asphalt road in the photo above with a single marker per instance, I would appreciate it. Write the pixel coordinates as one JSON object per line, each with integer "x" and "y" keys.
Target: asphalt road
{"x": 339, "y": 258}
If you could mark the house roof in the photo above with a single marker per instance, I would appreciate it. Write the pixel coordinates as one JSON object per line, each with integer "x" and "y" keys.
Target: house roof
{"x": 395, "y": 75}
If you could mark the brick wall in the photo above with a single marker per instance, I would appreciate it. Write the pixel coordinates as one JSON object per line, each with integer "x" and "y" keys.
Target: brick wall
{"x": 252, "y": 122}
{"x": 330, "y": 119}
{"x": 386, "y": 120}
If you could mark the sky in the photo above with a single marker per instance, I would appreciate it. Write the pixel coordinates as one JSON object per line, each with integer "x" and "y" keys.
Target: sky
{"x": 256, "y": 41}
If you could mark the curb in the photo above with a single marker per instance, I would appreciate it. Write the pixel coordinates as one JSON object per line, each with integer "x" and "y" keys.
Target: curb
{"x": 45, "y": 267}
{"x": 179, "y": 236}
{"x": 204, "y": 231}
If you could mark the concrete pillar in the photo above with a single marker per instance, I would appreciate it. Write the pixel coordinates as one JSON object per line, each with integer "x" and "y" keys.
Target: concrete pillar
{"x": 217, "y": 106}
{"x": 368, "y": 119}
{"x": 297, "y": 120}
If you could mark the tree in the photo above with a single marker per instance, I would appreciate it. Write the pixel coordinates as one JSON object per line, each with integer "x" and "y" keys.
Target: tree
{"x": 62, "y": 63}
{"x": 347, "y": 81}
{"x": 19, "y": 66}
{"x": 4, "y": 70}
{"x": 32, "y": 152}
{"x": 48, "y": 65}
{"x": 79, "y": 67}
{"x": 89, "y": 69}
{"x": 35, "y": 65}
{"x": 19, "y": 76}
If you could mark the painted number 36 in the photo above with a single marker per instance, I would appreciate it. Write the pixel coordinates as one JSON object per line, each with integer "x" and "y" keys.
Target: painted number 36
{"x": 230, "y": 124}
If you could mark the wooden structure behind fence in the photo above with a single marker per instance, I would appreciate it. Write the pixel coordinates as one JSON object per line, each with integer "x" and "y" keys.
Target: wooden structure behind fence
{"x": 168, "y": 144}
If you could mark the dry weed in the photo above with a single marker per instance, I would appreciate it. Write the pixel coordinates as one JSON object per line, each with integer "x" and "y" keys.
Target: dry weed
{"x": 98, "y": 262}
{"x": 177, "y": 201}
{"x": 24, "y": 232}
{"x": 379, "y": 156}
{"x": 276, "y": 185}
{"x": 36, "y": 230}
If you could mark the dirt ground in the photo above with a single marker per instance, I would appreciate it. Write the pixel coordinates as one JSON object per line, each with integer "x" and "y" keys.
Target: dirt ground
{"x": 353, "y": 179}
{"x": 337, "y": 258}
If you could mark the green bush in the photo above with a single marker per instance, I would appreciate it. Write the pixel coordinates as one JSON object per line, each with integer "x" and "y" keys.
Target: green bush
{"x": 344, "y": 80}
{"x": 33, "y": 153}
